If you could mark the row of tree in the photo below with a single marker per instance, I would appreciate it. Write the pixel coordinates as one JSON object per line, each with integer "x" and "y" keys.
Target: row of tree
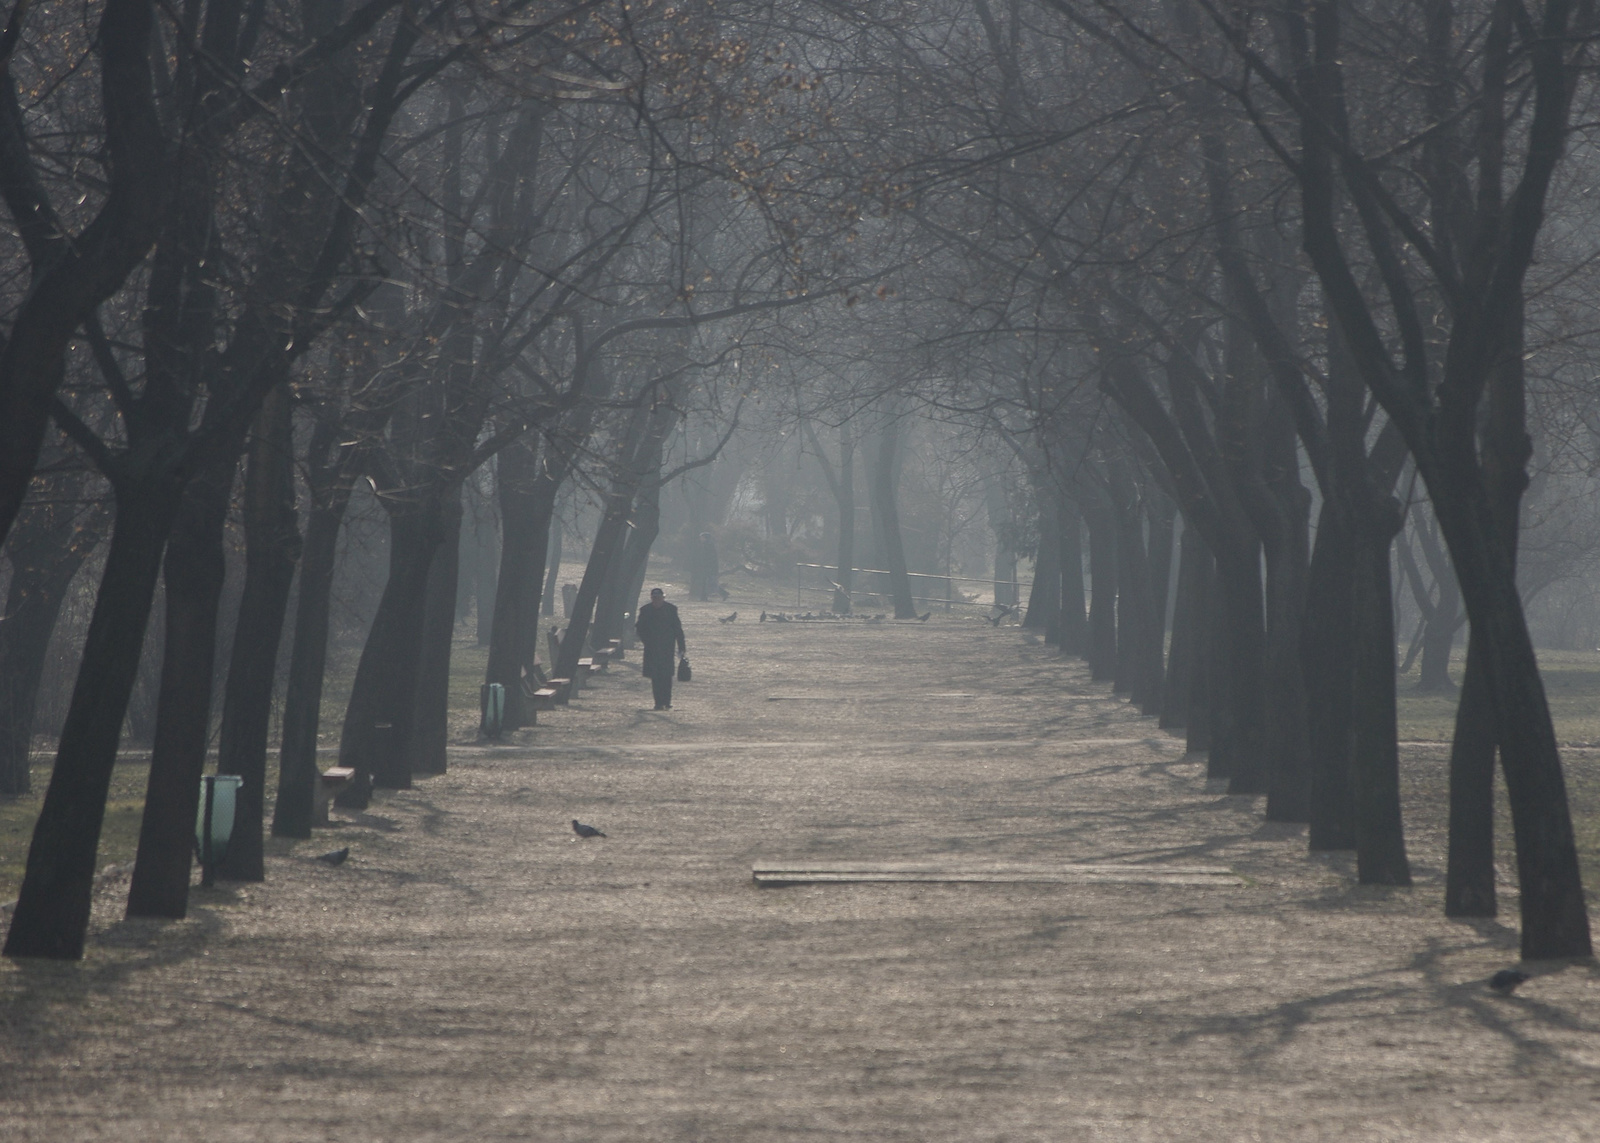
{"x": 1186, "y": 257}
{"x": 360, "y": 243}
{"x": 1168, "y": 260}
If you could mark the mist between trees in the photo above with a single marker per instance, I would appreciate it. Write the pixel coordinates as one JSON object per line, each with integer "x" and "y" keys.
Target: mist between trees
{"x": 1259, "y": 334}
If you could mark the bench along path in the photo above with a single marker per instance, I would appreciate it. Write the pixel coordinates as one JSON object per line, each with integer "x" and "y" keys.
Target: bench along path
{"x": 476, "y": 972}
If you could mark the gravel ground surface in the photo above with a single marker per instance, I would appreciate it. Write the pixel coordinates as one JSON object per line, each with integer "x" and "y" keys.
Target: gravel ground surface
{"x": 476, "y": 972}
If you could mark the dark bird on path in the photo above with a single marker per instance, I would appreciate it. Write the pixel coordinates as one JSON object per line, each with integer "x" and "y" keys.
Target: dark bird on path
{"x": 336, "y": 857}
{"x": 994, "y": 621}
{"x": 585, "y": 830}
{"x": 729, "y": 618}
{"x": 763, "y": 618}
{"x": 1506, "y": 980}
{"x": 924, "y": 617}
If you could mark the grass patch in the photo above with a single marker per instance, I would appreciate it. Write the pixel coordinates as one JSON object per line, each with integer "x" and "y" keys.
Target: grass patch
{"x": 1571, "y": 684}
{"x": 119, "y": 837}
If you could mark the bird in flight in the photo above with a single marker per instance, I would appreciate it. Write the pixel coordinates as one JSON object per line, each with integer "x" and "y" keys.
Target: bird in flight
{"x": 729, "y": 618}
{"x": 995, "y": 620}
{"x": 336, "y": 857}
{"x": 1506, "y": 980}
{"x": 585, "y": 830}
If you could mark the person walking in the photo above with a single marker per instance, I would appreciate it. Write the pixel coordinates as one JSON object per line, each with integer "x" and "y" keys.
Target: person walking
{"x": 660, "y": 629}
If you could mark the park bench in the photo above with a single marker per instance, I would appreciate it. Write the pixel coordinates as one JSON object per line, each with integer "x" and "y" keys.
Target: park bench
{"x": 328, "y": 785}
{"x": 581, "y": 676}
{"x": 561, "y": 687}
{"x": 536, "y": 697}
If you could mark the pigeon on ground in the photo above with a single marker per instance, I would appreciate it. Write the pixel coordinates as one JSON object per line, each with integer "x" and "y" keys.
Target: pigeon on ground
{"x": 763, "y": 618}
{"x": 729, "y": 618}
{"x": 585, "y": 830}
{"x": 336, "y": 857}
{"x": 924, "y": 617}
{"x": 1506, "y": 980}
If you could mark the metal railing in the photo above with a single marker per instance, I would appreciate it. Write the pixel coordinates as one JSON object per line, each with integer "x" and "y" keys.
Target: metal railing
{"x": 823, "y": 581}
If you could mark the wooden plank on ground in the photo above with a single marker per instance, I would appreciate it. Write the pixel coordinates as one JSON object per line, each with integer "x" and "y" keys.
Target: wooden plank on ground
{"x": 773, "y": 873}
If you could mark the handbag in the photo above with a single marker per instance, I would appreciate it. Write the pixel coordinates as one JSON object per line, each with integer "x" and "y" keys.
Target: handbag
{"x": 684, "y": 674}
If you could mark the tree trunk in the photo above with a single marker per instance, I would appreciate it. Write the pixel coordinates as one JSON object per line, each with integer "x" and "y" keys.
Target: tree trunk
{"x": 430, "y": 732}
{"x": 1470, "y": 876}
{"x": 1044, "y": 598}
{"x": 548, "y": 528}
{"x": 193, "y": 571}
{"x": 466, "y": 574}
{"x": 1241, "y": 740}
{"x": 553, "y": 570}
{"x": 1133, "y": 591}
{"x": 1074, "y": 622}
{"x": 1375, "y": 755}
{"x": 609, "y": 538}
{"x": 641, "y": 448}
{"x": 618, "y": 596}
{"x": 515, "y": 636}
{"x": 1159, "y": 513}
{"x": 1439, "y": 636}
{"x": 1288, "y": 739}
{"x": 1003, "y": 528}
{"x": 1327, "y": 650}
{"x": 886, "y": 520}
{"x": 302, "y": 700}
{"x": 1215, "y": 678}
{"x": 46, "y": 552}
{"x": 636, "y": 556}
{"x": 489, "y": 561}
{"x": 845, "y": 504}
{"x": 1202, "y": 658}
{"x": 52, "y": 913}
{"x": 1103, "y": 591}
{"x": 1554, "y": 918}
{"x": 375, "y": 740}
{"x": 272, "y": 548}
{"x": 1186, "y": 614}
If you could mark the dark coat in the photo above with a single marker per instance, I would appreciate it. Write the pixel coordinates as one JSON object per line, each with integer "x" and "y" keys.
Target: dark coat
{"x": 660, "y": 630}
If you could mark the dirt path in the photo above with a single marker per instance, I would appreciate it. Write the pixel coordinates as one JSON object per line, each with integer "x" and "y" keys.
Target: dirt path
{"x": 476, "y": 973}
